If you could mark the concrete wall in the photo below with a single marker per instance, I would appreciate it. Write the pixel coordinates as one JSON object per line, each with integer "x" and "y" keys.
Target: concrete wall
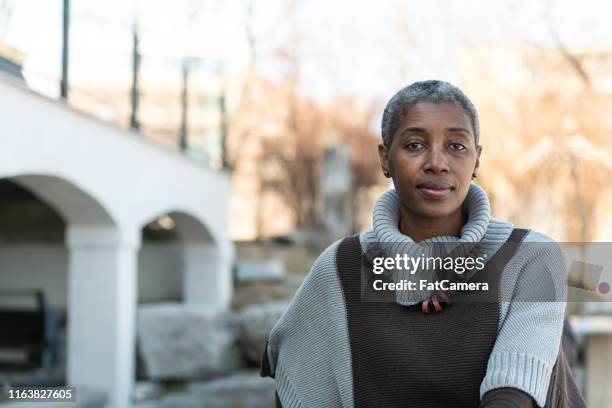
{"x": 33, "y": 266}
{"x": 45, "y": 266}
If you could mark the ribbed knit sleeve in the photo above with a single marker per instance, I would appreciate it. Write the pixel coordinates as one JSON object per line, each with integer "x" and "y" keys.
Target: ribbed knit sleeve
{"x": 308, "y": 348}
{"x": 533, "y": 294}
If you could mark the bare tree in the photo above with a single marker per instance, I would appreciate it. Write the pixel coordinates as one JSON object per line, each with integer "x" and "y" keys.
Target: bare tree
{"x": 573, "y": 60}
{"x": 281, "y": 134}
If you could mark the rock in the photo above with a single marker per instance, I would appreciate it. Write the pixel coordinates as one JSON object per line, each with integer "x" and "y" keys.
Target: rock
{"x": 175, "y": 400}
{"x": 253, "y": 327}
{"x": 91, "y": 398}
{"x": 184, "y": 342}
{"x": 597, "y": 308}
{"x": 244, "y": 389}
{"x": 147, "y": 390}
{"x": 264, "y": 270}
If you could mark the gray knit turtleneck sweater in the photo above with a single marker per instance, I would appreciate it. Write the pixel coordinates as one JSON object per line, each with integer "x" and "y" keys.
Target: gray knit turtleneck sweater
{"x": 309, "y": 352}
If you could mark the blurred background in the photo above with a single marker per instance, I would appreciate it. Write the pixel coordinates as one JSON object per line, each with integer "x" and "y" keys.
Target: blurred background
{"x": 169, "y": 170}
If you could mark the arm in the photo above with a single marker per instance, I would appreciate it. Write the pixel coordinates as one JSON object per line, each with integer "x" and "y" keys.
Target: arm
{"x": 533, "y": 307}
{"x": 507, "y": 398}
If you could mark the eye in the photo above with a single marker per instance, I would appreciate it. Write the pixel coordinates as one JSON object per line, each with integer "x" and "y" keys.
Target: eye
{"x": 414, "y": 146}
{"x": 457, "y": 146}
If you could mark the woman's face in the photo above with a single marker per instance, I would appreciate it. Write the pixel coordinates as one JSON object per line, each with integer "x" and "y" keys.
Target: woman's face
{"x": 431, "y": 159}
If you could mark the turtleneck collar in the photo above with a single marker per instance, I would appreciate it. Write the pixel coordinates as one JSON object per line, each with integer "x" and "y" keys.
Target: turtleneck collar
{"x": 480, "y": 235}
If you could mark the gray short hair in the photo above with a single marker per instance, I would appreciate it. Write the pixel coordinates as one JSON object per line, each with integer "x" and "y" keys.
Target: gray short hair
{"x": 431, "y": 91}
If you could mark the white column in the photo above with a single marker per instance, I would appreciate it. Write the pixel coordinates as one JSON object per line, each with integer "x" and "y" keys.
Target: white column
{"x": 598, "y": 333}
{"x": 207, "y": 275}
{"x": 598, "y": 370}
{"x": 102, "y": 296}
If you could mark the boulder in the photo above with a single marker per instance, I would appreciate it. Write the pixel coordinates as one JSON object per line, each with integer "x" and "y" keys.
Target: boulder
{"x": 253, "y": 325}
{"x": 147, "y": 391}
{"x": 597, "y": 308}
{"x": 243, "y": 389}
{"x": 185, "y": 342}
{"x": 270, "y": 270}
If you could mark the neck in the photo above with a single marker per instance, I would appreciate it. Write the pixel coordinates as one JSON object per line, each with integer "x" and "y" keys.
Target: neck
{"x": 420, "y": 229}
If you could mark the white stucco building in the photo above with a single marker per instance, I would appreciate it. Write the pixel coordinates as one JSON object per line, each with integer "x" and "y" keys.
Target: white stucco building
{"x": 106, "y": 184}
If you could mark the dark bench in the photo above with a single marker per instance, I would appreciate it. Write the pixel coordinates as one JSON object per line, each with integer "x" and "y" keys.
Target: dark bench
{"x": 28, "y": 336}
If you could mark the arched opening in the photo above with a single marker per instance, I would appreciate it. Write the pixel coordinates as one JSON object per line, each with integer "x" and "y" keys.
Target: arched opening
{"x": 61, "y": 242}
{"x": 33, "y": 285}
{"x": 160, "y": 267}
{"x": 166, "y": 257}
{"x": 179, "y": 261}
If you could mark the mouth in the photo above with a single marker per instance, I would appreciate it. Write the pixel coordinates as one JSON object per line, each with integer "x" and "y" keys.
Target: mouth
{"x": 435, "y": 190}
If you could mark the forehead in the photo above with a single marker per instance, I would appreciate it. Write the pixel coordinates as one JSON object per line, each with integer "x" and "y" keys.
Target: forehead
{"x": 428, "y": 114}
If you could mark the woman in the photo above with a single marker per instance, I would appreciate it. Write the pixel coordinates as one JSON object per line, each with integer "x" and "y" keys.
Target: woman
{"x": 344, "y": 342}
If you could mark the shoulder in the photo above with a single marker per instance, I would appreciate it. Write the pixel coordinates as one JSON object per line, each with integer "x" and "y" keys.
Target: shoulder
{"x": 318, "y": 289}
{"x": 501, "y": 227}
{"x": 534, "y": 250}
{"x": 541, "y": 247}
{"x": 538, "y": 270}
{"x": 327, "y": 258}
{"x": 533, "y": 245}
{"x": 322, "y": 275}
{"x": 537, "y": 236}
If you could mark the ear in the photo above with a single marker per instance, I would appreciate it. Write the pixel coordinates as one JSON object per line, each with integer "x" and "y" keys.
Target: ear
{"x": 478, "y": 151}
{"x": 383, "y": 154}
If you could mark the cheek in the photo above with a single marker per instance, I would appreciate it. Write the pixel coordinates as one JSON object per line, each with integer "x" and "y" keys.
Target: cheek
{"x": 405, "y": 164}
{"x": 465, "y": 168}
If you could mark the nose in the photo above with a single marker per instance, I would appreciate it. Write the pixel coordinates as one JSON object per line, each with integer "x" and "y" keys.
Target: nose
{"x": 436, "y": 161}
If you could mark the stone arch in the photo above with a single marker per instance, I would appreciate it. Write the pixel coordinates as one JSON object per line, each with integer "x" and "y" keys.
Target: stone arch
{"x": 72, "y": 202}
{"x": 101, "y": 266}
{"x": 205, "y": 264}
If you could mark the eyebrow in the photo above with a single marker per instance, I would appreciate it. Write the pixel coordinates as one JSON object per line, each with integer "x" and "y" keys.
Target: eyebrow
{"x": 459, "y": 129}
{"x": 421, "y": 130}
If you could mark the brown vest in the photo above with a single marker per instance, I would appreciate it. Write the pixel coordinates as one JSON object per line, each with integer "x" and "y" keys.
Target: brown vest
{"x": 402, "y": 357}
